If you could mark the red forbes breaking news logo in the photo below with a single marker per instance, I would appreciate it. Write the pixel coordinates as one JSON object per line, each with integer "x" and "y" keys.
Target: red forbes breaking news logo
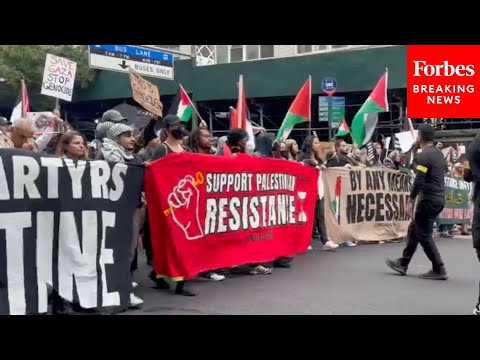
{"x": 442, "y": 81}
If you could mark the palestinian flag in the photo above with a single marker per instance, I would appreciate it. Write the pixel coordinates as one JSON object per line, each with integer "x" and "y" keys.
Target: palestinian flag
{"x": 365, "y": 121}
{"x": 22, "y": 105}
{"x": 343, "y": 130}
{"x": 336, "y": 200}
{"x": 300, "y": 110}
{"x": 184, "y": 107}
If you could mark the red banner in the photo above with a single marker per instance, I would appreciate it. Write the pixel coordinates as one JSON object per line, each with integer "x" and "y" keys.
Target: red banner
{"x": 210, "y": 212}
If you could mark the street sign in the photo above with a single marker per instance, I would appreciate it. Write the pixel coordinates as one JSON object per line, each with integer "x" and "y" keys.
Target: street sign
{"x": 121, "y": 58}
{"x": 337, "y": 109}
{"x": 329, "y": 86}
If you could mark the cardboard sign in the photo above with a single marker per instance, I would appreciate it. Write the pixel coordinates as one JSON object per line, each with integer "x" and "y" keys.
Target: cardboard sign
{"x": 146, "y": 94}
{"x": 59, "y": 77}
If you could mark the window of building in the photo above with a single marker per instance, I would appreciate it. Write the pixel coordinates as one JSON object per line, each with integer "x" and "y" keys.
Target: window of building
{"x": 306, "y": 49}
{"x": 236, "y": 53}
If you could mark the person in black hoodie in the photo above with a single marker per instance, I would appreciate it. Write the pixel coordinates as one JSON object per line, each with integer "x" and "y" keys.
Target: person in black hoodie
{"x": 472, "y": 174}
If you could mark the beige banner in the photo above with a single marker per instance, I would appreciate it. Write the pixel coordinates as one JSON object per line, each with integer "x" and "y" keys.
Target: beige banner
{"x": 365, "y": 204}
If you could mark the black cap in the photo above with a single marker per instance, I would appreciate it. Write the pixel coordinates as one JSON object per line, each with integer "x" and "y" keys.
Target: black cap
{"x": 170, "y": 120}
{"x": 4, "y": 121}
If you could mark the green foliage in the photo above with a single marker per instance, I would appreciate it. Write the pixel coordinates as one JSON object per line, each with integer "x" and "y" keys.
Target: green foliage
{"x": 27, "y": 62}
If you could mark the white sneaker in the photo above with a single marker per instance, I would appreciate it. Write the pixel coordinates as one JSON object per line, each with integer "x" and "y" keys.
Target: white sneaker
{"x": 310, "y": 247}
{"x": 216, "y": 277}
{"x": 350, "y": 244}
{"x": 134, "y": 285}
{"x": 135, "y": 301}
{"x": 260, "y": 270}
{"x": 330, "y": 245}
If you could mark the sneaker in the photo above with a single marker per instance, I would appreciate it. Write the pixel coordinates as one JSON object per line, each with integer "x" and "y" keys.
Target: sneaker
{"x": 213, "y": 276}
{"x": 350, "y": 243}
{"x": 396, "y": 266}
{"x": 330, "y": 245}
{"x": 476, "y": 310}
{"x": 260, "y": 270}
{"x": 134, "y": 285}
{"x": 135, "y": 301}
{"x": 310, "y": 247}
{"x": 435, "y": 275}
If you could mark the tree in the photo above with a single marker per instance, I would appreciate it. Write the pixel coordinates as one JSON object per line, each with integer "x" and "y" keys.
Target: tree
{"x": 27, "y": 62}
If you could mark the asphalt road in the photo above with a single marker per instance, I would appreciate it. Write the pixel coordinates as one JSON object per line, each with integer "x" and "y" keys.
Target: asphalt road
{"x": 345, "y": 281}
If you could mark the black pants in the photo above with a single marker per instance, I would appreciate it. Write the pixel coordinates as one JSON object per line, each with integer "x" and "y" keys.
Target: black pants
{"x": 319, "y": 221}
{"x": 146, "y": 240}
{"x": 476, "y": 229}
{"x": 420, "y": 231}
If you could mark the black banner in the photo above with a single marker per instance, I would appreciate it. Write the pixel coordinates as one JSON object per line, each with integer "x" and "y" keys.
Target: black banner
{"x": 66, "y": 225}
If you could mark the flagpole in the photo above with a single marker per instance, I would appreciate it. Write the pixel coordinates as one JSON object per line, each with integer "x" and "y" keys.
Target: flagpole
{"x": 24, "y": 109}
{"x": 310, "y": 107}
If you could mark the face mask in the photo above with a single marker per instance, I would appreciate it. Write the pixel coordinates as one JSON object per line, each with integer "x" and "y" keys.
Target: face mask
{"x": 177, "y": 134}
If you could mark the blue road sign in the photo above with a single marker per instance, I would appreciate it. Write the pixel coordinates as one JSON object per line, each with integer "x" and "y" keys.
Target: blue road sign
{"x": 145, "y": 61}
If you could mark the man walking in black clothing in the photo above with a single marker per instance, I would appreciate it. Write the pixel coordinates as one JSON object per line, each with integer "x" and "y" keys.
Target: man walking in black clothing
{"x": 472, "y": 175}
{"x": 428, "y": 192}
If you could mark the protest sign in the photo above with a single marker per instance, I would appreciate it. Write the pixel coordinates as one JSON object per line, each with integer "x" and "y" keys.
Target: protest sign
{"x": 59, "y": 77}
{"x": 458, "y": 208}
{"x": 146, "y": 94}
{"x": 42, "y": 121}
{"x": 209, "y": 212}
{"x": 363, "y": 204}
{"x": 67, "y": 226}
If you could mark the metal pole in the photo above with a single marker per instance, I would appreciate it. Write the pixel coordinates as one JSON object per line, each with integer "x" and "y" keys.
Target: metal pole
{"x": 330, "y": 116}
{"x": 210, "y": 118}
{"x": 261, "y": 115}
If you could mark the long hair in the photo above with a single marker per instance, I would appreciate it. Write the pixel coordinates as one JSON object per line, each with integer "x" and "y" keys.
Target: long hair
{"x": 66, "y": 139}
{"x": 289, "y": 144}
{"x": 307, "y": 149}
{"x": 264, "y": 144}
{"x": 193, "y": 140}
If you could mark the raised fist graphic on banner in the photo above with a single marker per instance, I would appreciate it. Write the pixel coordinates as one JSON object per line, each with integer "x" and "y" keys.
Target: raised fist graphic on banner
{"x": 184, "y": 201}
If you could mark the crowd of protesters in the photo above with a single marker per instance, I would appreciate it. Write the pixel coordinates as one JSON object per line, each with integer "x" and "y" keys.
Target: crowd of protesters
{"x": 116, "y": 141}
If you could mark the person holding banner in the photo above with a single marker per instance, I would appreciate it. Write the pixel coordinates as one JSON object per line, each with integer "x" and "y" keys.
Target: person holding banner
{"x": 237, "y": 140}
{"x": 472, "y": 174}
{"x": 175, "y": 132}
{"x": 428, "y": 196}
{"x": 291, "y": 150}
{"x": 118, "y": 147}
{"x": 200, "y": 141}
{"x": 341, "y": 158}
{"x": 310, "y": 156}
{"x": 72, "y": 145}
